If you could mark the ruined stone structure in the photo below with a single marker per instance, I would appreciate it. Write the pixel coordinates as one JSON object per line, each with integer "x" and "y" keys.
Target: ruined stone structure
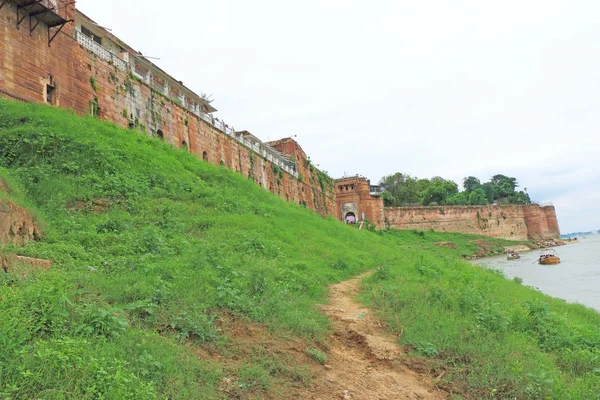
{"x": 514, "y": 222}
{"x": 51, "y": 53}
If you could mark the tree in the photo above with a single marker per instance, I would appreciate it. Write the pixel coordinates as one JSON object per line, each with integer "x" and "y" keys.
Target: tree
{"x": 520, "y": 197}
{"x": 490, "y": 191}
{"x": 439, "y": 190}
{"x": 402, "y": 188}
{"x": 458, "y": 199}
{"x": 471, "y": 183}
{"x": 505, "y": 185}
{"x": 477, "y": 197}
{"x": 388, "y": 199}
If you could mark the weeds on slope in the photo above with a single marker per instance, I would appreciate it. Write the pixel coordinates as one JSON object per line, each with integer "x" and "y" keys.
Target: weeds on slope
{"x": 486, "y": 336}
{"x": 152, "y": 246}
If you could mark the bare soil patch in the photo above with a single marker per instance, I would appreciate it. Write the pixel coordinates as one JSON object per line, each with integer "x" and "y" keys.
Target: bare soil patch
{"x": 4, "y": 186}
{"x": 364, "y": 361}
{"x": 16, "y": 224}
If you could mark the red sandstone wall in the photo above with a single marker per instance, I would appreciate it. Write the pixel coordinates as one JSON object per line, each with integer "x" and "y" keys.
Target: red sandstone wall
{"x": 26, "y": 64}
{"x": 542, "y": 222}
{"x": 357, "y": 190}
{"x": 508, "y": 222}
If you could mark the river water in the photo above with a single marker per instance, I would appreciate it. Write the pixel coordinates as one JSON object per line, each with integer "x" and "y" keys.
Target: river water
{"x": 576, "y": 279}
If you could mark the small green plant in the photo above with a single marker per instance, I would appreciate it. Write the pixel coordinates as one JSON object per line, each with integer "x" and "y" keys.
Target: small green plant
{"x": 381, "y": 273}
{"x": 93, "y": 83}
{"x": 340, "y": 265}
{"x": 426, "y": 348}
{"x": 186, "y": 122}
{"x": 518, "y": 280}
{"x": 125, "y": 113}
{"x": 94, "y": 107}
{"x": 317, "y": 355}
{"x": 253, "y": 377}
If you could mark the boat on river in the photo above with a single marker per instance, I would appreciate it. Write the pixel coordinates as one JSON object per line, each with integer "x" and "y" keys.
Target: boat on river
{"x": 548, "y": 257}
{"x": 512, "y": 255}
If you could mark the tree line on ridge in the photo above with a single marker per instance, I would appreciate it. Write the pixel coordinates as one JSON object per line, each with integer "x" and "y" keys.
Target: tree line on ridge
{"x": 405, "y": 190}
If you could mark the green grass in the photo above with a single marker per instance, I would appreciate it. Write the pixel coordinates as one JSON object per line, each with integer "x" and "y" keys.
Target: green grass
{"x": 317, "y": 355}
{"x": 175, "y": 243}
{"x": 493, "y": 337}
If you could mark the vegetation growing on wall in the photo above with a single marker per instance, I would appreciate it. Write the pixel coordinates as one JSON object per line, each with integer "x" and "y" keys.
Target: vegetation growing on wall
{"x": 325, "y": 181}
{"x": 94, "y": 107}
{"x": 277, "y": 172}
{"x": 252, "y": 161}
{"x": 94, "y": 83}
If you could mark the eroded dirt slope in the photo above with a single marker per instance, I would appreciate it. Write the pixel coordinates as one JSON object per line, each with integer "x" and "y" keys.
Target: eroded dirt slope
{"x": 364, "y": 360}
{"x": 16, "y": 224}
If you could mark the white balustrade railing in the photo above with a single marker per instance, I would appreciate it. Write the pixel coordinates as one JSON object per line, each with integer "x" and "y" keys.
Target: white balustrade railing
{"x": 263, "y": 150}
{"x": 102, "y": 52}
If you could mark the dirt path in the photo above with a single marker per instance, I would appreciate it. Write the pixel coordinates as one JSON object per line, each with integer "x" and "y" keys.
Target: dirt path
{"x": 363, "y": 362}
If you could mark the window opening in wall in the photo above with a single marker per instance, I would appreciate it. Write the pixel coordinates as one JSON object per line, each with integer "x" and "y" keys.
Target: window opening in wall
{"x": 222, "y": 164}
{"x": 89, "y": 34}
{"x": 160, "y": 134}
{"x": 184, "y": 145}
{"x": 51, "y": 94}
{"x": 205, "y": 156}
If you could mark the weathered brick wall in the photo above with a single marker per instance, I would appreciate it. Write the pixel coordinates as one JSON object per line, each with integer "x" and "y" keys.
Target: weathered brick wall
{"x": 508, "y": 222}
{"x": 309, "y": 177}
{"x": 354, "y": 195}
{"x": 84, "y": 82}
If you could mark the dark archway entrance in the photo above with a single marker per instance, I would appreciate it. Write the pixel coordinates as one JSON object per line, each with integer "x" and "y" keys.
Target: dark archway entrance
{"x": 205, "y": 156}
{"x": 350, "y": 218}
{"x": 160, "y": 134}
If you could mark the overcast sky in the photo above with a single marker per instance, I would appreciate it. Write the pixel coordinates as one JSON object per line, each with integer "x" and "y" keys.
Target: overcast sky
{"x": 450, "y": 88}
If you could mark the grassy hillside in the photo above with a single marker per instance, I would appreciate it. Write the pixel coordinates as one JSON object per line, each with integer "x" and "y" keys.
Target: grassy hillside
{"x": 156, "y": 252}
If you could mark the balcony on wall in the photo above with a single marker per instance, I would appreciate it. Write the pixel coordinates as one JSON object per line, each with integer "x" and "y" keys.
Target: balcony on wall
{"x": 158, "y": 84}
{"x": 39, "y": 11}
{"x": 99, "y": 50}
{"x": 140, "y": 72}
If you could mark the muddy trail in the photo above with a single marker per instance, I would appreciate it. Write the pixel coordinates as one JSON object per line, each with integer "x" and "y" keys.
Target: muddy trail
{"x": 364, "y": 361}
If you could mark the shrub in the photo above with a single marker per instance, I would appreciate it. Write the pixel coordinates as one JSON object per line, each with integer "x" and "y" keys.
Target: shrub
{"x": 317, "y": 355}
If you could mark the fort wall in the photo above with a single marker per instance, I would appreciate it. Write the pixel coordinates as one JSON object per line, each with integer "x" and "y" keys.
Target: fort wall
{"x": 514, "y": 222}
{"x": 92, "y": 72}
{"x": 77, "y": 73}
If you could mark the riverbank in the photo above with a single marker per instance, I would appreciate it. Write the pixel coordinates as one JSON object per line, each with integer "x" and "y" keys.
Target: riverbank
{"x": 489, "y": 248}
{"x": 576, "y": 279}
